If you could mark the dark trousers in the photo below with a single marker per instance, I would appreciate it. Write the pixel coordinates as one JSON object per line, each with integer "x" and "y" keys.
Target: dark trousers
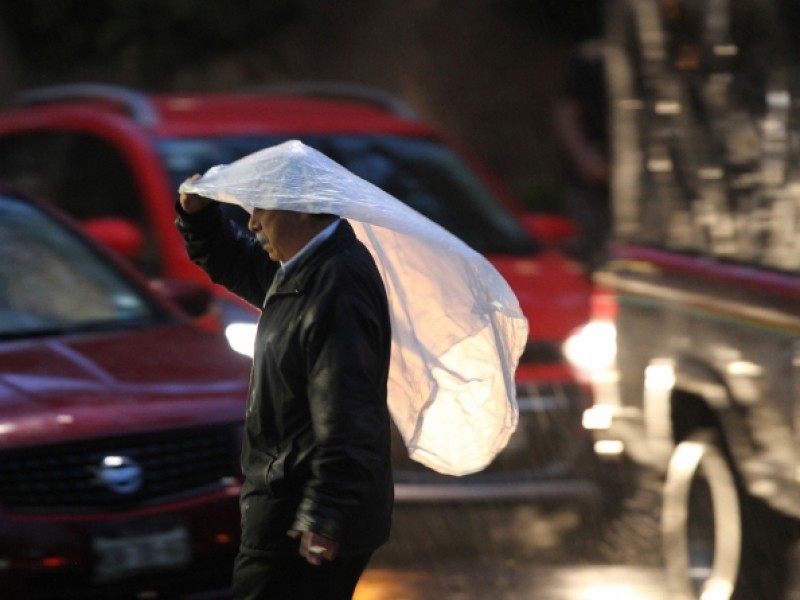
{"x": 293, "y": 578}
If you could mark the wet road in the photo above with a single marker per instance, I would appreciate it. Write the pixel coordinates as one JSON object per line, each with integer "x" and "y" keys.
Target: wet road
{"x": 516, "y": 583}
{"x": 517, "y": 552}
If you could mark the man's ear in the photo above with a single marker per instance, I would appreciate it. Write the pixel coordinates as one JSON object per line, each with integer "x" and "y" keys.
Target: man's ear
{"x": 304, "y": 219}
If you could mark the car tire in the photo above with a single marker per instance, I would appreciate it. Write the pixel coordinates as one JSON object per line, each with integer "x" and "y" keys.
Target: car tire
{"x": 718, "y": 541}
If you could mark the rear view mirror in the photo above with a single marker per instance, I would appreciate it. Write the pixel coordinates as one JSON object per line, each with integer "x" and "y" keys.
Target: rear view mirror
{"x": 121, "y": 235}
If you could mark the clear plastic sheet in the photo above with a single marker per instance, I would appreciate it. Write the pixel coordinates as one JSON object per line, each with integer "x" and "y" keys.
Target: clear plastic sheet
{"x": 457, "y": 328}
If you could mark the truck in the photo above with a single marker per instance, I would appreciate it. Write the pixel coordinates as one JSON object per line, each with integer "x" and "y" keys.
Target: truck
{"x": 693, "y": 351}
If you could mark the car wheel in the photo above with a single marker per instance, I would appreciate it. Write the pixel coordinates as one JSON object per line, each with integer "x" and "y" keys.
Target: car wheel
{"x": 718, "y": 542}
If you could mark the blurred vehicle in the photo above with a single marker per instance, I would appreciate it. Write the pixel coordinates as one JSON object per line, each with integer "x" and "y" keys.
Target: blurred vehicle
{"x": 120, "y": 424}
{"x": 114, "y": 158}
{"x": 694, "y": 351}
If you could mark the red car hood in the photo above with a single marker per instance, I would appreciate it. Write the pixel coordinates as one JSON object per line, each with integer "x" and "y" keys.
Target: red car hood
{"x": 554, "y": 293}
{"x": 71, "y": 387}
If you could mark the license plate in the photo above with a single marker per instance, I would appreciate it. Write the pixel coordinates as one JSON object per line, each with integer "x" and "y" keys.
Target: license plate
{"x": 127, "y": 554}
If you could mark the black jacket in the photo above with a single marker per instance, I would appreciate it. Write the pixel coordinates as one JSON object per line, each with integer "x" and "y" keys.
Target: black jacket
{"x": 316, "y": 450}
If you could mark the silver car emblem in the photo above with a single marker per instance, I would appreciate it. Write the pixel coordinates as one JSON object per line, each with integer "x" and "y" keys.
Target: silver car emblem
{"x": 120, "y": 474}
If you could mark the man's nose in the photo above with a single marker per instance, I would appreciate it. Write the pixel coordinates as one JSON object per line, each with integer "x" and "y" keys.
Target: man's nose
{"x": 252, "y": 222}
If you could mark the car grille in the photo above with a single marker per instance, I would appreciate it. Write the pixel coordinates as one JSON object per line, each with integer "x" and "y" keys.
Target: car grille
{"x": 539, "y": 352}
{"x": 546, "y": 443}
{"x": 173, "y": 464}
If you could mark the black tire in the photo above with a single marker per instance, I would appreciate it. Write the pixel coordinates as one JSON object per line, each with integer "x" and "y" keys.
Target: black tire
{"x": 717, "y": 539}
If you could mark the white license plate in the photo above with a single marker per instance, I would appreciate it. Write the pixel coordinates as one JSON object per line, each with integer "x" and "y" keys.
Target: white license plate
{"x": 124, "y": 555}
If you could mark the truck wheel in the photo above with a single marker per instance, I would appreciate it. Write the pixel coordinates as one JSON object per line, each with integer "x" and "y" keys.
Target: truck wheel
{"x": 718, "y": 542}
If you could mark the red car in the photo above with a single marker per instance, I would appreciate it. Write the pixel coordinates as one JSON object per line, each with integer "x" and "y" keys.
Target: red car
{"x": 120, "y": 424}
{"x": 114, "y": 159}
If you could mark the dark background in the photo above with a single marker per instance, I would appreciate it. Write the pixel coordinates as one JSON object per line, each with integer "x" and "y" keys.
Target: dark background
{"x": 484, "y": 71}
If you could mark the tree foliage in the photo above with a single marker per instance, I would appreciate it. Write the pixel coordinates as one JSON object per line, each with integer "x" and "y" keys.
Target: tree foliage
{"x": 145, "y": 43}
{"x": 563, "y": 19}
{"x": 148, "y": 39}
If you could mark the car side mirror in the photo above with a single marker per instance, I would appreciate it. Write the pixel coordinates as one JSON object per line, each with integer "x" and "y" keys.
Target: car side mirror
{"x": 192, "y": 297}
{"x": 552, "y": 230}
{"x": 121, "y": 235}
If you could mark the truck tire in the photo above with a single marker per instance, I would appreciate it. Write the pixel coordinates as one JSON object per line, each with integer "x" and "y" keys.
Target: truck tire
{"x": 719, "y": 542}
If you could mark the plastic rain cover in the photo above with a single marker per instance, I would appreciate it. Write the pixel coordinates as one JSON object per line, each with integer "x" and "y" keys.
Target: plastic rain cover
{"x": 457, "y": 329}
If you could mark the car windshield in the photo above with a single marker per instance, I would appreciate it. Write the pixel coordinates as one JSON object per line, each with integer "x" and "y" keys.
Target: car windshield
{"x": 421, "y": 172}
{"x": 51, "y": 282}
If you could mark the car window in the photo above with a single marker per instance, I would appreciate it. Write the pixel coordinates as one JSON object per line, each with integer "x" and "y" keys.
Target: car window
{"x": 83, "y": 174}
{"x": 421, "y": 172}
{"x": 51, "y": 281}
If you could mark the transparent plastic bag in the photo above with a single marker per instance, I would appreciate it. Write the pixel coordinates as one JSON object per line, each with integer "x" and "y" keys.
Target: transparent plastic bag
{"x": 457, "y": 328}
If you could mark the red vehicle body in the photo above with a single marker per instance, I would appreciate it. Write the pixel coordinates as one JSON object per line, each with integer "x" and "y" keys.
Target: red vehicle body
{"x": 114, "y": 159}
{"x": 119, "y": 427}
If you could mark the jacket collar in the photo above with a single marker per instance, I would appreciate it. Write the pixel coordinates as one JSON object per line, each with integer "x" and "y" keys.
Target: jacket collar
{"x": 294, "y": 281}
{"x": 323, "y": 235}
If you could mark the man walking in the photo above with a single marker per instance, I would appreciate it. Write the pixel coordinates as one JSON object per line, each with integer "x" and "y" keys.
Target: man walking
{"x": 318, "y": 492}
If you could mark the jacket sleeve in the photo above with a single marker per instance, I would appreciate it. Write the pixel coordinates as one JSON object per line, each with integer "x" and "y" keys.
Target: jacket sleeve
{"x": 229, "y": 255}
{"x": 348, "y": 355}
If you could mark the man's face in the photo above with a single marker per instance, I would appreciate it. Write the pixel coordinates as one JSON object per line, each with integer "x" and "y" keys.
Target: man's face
{"x": 280, "y": 232}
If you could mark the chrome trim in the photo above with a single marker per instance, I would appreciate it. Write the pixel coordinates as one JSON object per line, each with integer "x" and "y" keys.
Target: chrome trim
{"x": 703, "y": 302}
{"x": 577, "y": 489}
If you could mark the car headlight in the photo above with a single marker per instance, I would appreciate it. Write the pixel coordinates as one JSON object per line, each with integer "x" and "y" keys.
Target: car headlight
{"x": 592, "y": 348}
{"x": 241, "y": 337}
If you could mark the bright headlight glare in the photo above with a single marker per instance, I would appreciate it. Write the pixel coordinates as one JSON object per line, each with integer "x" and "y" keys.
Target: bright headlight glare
{"x": 241, "y": 337}
{"x": 598, "y": 417}
{"x": 593, "y": 347}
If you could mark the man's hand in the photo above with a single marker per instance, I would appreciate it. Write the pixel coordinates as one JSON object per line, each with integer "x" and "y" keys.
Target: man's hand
{"x": 314, "y": 547}
{"x": 193, "y": 203}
